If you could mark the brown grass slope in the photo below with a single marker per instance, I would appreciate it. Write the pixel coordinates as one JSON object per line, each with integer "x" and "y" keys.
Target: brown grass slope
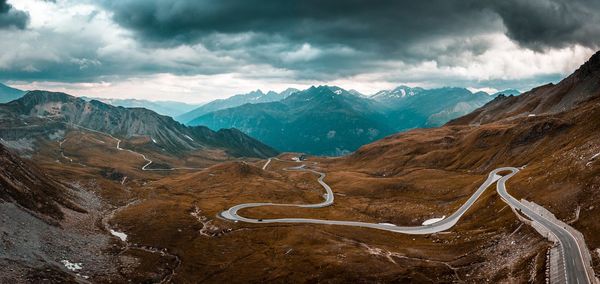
{"x": 23, "y": 183}
{"x": 559, "y": 147}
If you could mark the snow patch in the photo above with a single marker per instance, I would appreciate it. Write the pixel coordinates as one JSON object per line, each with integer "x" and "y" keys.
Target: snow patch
{"x": 338, "y": 92}
{"x": 73, "y": 266}
{"x": 188, "y": 137}
{"x": 122, "y": 236}
{"x": 387, "y": 224}
{"x": 433, "y": 220}
{"x": 153, "y": 140}
{"x": 531, "y": 115}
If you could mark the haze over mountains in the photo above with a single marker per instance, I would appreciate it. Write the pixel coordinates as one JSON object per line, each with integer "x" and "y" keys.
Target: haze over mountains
{"x": 168, "y": 108}
{"x": 8, "y": 94}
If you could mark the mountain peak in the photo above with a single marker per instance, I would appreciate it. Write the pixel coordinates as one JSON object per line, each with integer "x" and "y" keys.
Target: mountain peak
{"x": 55, "y": 96}
{"x": 35, "y": 97}
{"x": 257, "y": 92}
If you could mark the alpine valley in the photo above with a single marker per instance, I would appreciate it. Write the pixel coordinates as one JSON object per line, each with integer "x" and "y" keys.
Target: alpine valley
{"x": 382, "y": 142}
{"x": 93, "y": 192}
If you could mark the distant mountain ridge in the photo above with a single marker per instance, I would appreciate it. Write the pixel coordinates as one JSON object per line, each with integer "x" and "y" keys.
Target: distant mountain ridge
{"x": 328, "y": 120}
{"x": 169, "y": 108}
{"x": 131, "y": 122}
{"x": 253, "y": 97}
{"x": 8, "y": 94}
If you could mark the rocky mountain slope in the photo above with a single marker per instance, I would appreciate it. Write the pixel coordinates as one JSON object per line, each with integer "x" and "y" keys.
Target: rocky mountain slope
{"x": 22, "y": 183}
{"x": 329, "y": 120}
{"x": 129, "y": 123}
{"x": 8, "y": 94}
{"x": 416, "y": 107}
{"x": 250, "y": 98}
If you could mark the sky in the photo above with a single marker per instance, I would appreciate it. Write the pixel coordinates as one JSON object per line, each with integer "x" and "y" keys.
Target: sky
{"x": 199, "y": 50}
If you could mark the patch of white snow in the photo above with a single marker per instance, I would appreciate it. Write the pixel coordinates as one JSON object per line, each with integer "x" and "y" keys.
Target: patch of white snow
{"x": 73, "y": 266}
{"x": 531, "y": 115}
{"x": 119, "y": 235}
{"x": 433, "y": 220}
{"x": 188, "y": 137}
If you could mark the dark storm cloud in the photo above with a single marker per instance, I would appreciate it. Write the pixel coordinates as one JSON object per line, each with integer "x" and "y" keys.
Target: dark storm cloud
{"x": 551, "y": 23}
{"x": 389, "y": 26}
{"x": 10, "y": 17}
{"x": 299, "y": 40}
{"x": 344, "y": 37}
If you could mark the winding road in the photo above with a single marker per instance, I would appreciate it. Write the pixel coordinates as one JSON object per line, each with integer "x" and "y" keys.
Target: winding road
{"x": 575, "y": 266}
{"x": 148, "y": 161}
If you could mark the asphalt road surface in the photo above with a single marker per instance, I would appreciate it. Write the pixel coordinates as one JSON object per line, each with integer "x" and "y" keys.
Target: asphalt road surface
{"x": 572, "y": 254}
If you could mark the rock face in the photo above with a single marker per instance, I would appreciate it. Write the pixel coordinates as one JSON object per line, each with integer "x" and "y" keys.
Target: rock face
{"x": 581, "y": 86}
{"x": 329, "y": 120}
{"x": 131, "y": 122}
{"x": 22, "y": 183}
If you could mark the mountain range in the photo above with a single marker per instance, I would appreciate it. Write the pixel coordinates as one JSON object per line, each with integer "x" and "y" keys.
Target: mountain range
{"x": 328, "y": 120}
{"x": 62, "y": 110}
{"x": 290, "y": 125}
{"x": 250, "y": 98}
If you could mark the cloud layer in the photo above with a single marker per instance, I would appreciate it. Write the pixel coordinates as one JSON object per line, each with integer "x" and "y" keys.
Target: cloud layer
{"x": 367, "y": 44}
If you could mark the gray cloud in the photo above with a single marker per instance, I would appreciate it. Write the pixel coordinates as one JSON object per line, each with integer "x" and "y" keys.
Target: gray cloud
{"x": 386, "y": 27}
{"x": 318, "y": 39}
{"x": 389, "y": 26}
{"x": 550, "y": 23}
{"x": 347, "y": 37}
{"x": 10, "y": 17}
